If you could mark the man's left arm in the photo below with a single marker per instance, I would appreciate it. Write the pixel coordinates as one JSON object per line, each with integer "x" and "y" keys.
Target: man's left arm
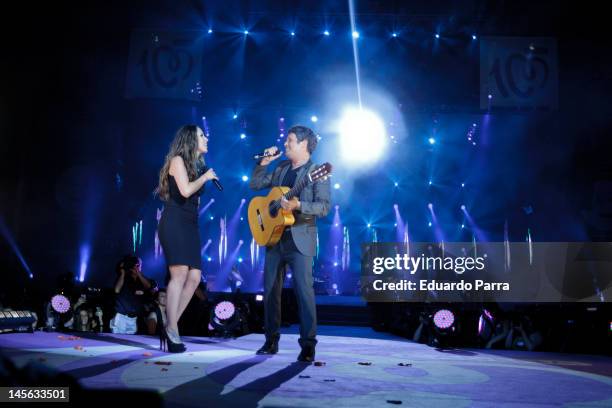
{"x": 321, "y": 200}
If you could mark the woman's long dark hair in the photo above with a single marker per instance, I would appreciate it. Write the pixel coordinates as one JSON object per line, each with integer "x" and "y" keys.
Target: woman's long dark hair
{"x": 185, "y": 145}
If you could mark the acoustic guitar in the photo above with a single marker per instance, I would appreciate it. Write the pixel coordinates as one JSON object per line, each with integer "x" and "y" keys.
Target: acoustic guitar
{"x": 267, "y": 219}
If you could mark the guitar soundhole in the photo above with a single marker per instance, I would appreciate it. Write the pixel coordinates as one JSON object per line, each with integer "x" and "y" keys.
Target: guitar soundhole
{"x": 273, "y": 211}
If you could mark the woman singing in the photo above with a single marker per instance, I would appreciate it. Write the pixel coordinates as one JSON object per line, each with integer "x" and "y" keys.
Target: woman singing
{"x": 180, "y": 186}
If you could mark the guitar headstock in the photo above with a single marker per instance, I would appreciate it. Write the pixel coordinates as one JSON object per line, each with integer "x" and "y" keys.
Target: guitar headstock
{"x": 321, "y": 173}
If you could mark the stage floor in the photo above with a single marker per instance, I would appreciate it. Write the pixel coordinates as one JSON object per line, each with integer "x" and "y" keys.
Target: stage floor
{"x": 227, "y": 373}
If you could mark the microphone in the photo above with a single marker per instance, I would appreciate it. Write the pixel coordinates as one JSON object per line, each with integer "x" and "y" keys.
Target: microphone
{"x": 215, "y": 181}
{"x": 264, "y": 154}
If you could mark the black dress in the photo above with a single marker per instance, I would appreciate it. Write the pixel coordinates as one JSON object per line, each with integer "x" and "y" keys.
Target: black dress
{"x": 178, "y": 231}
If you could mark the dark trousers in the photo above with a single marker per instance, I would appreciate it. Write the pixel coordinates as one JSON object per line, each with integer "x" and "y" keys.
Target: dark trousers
{"x": 277, "y": 257}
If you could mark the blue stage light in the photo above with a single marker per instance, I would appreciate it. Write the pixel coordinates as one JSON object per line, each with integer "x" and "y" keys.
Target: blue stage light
{"x": 209, "y": 259}
{"x": 212, "y": 217}
{"x": 462, "y": 225}
{"x": 246, "y": 32}
{"x": 432, "y": 140}
{"x": 292, "y": 33}
{"x": 337, "y": 186}
{"x": 235, "y": 116}
{"x": 239, "y": 259}
{"x": 245, "y": 178}
{"x": 429, "y": 224}
{"x": 242, "y": 136}
{"x": 369, "y": 225}
{"x": 210, "y": 31}
{"x": 326, "y": 33}
{"x": 474, "y": 36}
{"x": 355, "y": 34}
{"x": 314, "y": 119}
{"x": 437, "y": 35}
{"x": 462, "y": 207}
{"x": 462, "y": 184}
{"x": 396, "y": 184}
{"x": 394, "y": 35}
{"x": 430, "y": 182}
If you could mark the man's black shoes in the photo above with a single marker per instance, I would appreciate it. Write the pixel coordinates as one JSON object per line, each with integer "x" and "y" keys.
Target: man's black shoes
{"x": 307, "y": 355}
{"x": 269, "y": 347}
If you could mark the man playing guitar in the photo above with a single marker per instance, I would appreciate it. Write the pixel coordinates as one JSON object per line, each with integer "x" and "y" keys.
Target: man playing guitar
{"x": 297, "y": 245}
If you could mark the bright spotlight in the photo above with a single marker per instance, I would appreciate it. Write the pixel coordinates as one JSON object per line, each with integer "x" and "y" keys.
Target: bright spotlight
{"x": 210, "y": 31}
{"x": 463, "y": 208}
{"x": 60, "y": 303}
{"x": 246, "y": 32}
{"x": 245, "y": 178}
{"x": 242, "y": 136}
{"x": 337, "y": 186}
{"x": 326, "y": 33}
{"x": 396, "y": 184}
{"x": 355, "y": 34}
{"x": 443, "y": 319}
{"x": 437, "y": 35}
{"x": 240, "y": 259}
{"x": 314, "y": 119}
{"x": 259, "y": 298}
{"x": 430, "y": 206}
{"x": 235, "y": 116}
{"x": 362, "y": 136}
{"x": 432, "y": 140}
{"x": 429, "y": 224}
{"x": 394, "y": 35}
{"x": 474, "y": 36}
{"x": 224, "y": 310}
{"x": 292, "y": 33}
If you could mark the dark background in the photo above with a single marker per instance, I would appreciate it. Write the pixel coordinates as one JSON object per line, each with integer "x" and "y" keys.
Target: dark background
{"x": 68, "y": 132}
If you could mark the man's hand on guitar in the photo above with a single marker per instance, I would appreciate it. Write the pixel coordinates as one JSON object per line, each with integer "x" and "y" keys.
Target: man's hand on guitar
{"x": 290, "y": 205}
{"x": 270, "y": 150}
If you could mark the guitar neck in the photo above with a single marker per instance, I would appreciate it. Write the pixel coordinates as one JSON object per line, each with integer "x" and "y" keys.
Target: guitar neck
{"x": 298, "y": 187}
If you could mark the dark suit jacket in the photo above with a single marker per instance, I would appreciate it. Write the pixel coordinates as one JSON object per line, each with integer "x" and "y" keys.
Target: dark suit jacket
{"x": 314, "y": 199}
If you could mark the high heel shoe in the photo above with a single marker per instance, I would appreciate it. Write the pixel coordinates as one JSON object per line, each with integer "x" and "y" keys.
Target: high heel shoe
{"x": 166, "y": 344}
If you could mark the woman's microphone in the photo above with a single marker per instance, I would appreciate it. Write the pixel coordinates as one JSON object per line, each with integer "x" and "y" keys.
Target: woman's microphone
{"x": 215, "y": 181}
